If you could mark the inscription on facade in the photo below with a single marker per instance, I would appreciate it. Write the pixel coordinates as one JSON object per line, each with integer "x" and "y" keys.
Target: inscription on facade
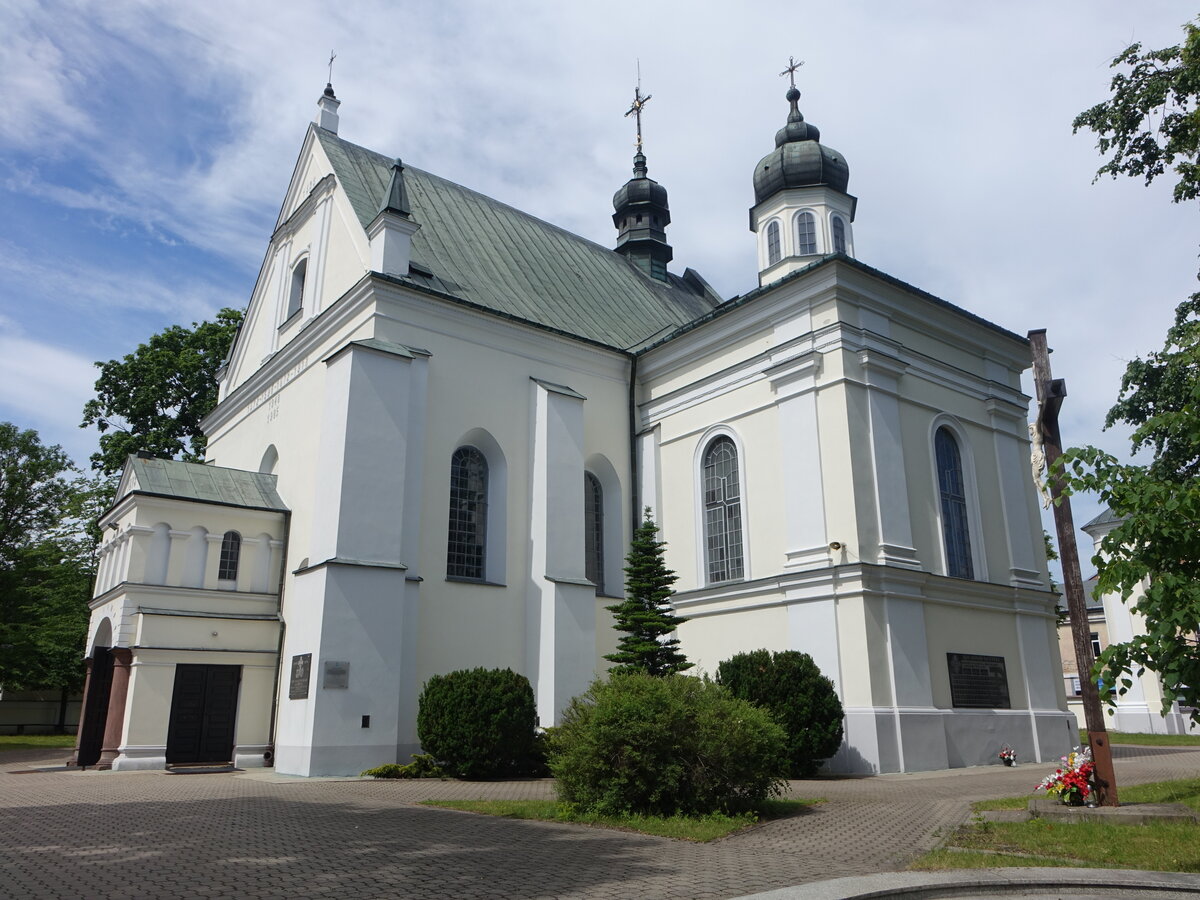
{"x": 301, "y": 667}
{"x": 978, "y": 682}
{"x": 337, "y": 675}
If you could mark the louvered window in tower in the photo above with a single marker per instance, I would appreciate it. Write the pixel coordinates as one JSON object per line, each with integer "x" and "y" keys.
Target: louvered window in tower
{"x": 467, "y": 539}
{"x": 955, "y": 530}
{"x": 722, "y": 512}
{"x": 806, "y": 234}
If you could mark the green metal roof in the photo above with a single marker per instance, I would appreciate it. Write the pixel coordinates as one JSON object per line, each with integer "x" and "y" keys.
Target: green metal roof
{"x": 487, "y": 253}
{"x": 209, "y": 484}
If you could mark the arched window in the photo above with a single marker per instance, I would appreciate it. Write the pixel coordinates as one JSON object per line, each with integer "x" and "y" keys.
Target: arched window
{"x": 839, "y": 235}
{"x": 953, "y": 494}
{"x": 296, "y": 291}
{"x": 593, "y": 531}
{"x": 466, "y": 544}
{"x": 806, "y": 234}
{"x": 772, "y": 243}
{"x": 722, "y": 512}
{"x": 231, "y": 552}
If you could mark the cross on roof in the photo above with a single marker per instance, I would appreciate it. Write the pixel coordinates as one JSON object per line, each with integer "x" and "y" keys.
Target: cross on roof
{"x": 790, "y": 71}
{"x": 635, "y": 110}
{"x": 332, "y": 57}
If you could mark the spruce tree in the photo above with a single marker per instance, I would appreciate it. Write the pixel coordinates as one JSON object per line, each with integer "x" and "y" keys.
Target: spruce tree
{"x": 645, "y": 615}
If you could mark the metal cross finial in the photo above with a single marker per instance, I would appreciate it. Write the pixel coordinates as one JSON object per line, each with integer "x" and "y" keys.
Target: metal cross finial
{"x": 635, "y": 109}
{"x": 332, "y": 57}
{"x": 790, "y": 71}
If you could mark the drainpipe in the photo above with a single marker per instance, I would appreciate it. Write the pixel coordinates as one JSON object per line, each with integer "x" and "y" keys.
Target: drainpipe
{"x": 269, "y": 755}
{"x": 635, "y": 506}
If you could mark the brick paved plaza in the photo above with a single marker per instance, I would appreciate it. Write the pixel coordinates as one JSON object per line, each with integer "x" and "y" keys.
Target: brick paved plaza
{"x": 91, "y": 834}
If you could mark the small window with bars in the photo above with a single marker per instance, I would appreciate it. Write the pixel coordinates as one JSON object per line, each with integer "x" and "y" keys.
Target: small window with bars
{"x": 231, "y": 553}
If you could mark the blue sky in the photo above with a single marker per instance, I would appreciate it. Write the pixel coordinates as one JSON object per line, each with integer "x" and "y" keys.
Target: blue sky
{"x": 145, "y": 148}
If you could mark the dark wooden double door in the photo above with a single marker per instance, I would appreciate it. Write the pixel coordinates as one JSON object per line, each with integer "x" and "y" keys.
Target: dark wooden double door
{"x": 203, "y": 714}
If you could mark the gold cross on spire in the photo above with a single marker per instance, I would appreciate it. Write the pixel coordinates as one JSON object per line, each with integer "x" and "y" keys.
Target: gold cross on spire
{"x": 635, "y": 108}
{"x": 790, "y": 71}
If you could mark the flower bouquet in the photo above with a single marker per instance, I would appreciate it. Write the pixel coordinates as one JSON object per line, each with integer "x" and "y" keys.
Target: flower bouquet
{"x": 1071, "y": 782}
{"x": 1008, "y": 756}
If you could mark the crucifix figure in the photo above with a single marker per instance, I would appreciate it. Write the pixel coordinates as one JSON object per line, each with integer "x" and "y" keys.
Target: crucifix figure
{"x": 790, "y": 71}
{"x": 635, "y": 110}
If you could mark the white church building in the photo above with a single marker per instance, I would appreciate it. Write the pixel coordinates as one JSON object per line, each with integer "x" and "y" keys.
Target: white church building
{"x": 442, "y": 418}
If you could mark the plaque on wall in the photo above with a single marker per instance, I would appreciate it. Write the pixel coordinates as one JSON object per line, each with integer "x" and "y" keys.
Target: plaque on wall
{"x": 978, "y": 682}
{"x": 337, "y": 675}
{"x": 301, "y": 667}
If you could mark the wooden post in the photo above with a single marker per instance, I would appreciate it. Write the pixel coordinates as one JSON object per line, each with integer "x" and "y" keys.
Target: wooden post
{"x": 1050, "y": 394}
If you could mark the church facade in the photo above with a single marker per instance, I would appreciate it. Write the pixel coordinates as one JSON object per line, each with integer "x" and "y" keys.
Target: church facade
{"x": 442, "y": 418}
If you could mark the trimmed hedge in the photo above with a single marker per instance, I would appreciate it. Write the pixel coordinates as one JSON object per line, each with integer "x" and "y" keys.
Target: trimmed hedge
{"x": 477, "y": 723}
{"x": 663, "y": 746}
{"x": 801, "y": 699}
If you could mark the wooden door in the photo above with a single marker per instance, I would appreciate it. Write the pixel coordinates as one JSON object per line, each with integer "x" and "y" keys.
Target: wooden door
{"x": 95, "y": 710}
{"x": 203, "y": 714}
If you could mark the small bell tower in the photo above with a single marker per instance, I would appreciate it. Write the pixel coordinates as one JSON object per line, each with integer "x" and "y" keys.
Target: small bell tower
{"x": 641, "y": 211}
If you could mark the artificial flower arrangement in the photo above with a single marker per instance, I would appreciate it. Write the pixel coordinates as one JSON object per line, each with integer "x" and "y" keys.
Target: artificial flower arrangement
{"x": 1008, "y": 756}
{"x": 1072, "y": 782}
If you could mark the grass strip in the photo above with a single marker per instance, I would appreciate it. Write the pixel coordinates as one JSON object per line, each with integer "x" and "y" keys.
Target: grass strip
{"x": 1147, "y": 740}
{"x": 684, "y": 828}
{"x": 11, "y": 742}
{"x": 1158, "y": 846}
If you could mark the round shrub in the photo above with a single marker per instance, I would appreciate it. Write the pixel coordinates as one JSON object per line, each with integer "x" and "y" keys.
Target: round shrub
{"x": 665, "y": 745}
{"x": 801, "y": 699}
{"x": 478, "y": 723}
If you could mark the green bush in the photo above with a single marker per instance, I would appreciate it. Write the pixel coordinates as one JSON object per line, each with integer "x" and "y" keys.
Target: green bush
{"x": 422, "y": 766}
{"x": 666, "y": 745}
{"x": 801, "y": 699}
{"x": 477, "y": 723}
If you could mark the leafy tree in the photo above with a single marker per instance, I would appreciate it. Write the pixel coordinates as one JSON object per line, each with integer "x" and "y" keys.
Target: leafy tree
{"x": 789, "y": 685}
{"x": 154, "y": 398}
{"x": 33, "y": 491}
{"x": 1151, "y": 123}
{"x": 645, "y": 615}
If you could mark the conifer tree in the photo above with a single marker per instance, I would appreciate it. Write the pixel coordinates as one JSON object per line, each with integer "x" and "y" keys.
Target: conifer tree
{"x": 645, "y": 615}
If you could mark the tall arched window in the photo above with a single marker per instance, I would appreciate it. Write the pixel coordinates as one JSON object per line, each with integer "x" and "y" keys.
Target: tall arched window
{"x": 296, "y": 289}
{"x": 231, "y": 554}
{"x": 593, "y": 530}
{"x": 722, "y": 512}
{"x": 839, "y": 235}
{"x": 773, "y": 243}
{"x": 953, "y": 494}
{"x": 466, "y": 544}
{"x": 806, "y": 234}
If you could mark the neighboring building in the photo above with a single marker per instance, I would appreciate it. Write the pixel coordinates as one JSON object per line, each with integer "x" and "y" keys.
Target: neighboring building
{"x": 1111, "y": 621}
{"x": 464, "y": 411}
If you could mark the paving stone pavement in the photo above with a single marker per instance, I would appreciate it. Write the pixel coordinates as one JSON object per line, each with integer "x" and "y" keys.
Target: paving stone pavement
{"x": 70, "y": 834}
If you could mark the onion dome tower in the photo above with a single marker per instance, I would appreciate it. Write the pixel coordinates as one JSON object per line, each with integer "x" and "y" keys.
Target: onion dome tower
{"x": 801, "y": 208}
{"x": 641, "y": 211}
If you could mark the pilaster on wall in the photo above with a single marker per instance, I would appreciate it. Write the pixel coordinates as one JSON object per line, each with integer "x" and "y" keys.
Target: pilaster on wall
{"x": 561, "y": 610}
{"x": 881, "y": 375}
{"x": 1012, "y": 462}
{"x": 794, "y": 384}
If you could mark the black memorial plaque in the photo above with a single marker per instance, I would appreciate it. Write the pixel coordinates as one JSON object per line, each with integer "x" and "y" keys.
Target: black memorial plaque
{"x": 337, "y": 675}
{"x": 978, "y": 682}
{"x": 301, "y": 669}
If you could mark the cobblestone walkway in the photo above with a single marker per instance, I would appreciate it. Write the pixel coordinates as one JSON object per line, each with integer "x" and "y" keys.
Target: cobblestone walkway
{"x": 69, "y": 834}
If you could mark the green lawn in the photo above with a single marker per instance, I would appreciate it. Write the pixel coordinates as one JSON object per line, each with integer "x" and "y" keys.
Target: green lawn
{"x": 1147, "y": 740}
{"x": 1160, "y": 846}
{"x": 686, "y": 828}
{"x": 34, "y": 741}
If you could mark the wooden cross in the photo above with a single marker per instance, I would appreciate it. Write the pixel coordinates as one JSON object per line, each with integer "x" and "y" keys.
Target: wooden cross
{"x": 790, "y": 71}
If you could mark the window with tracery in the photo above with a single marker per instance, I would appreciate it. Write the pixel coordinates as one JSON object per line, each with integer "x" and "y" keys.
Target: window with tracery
{"x": 466, "y": 543}
{"x": 722, "y": 512}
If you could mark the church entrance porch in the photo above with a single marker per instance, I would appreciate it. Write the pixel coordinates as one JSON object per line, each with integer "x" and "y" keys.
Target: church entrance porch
{"x": 203, "y": 714}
